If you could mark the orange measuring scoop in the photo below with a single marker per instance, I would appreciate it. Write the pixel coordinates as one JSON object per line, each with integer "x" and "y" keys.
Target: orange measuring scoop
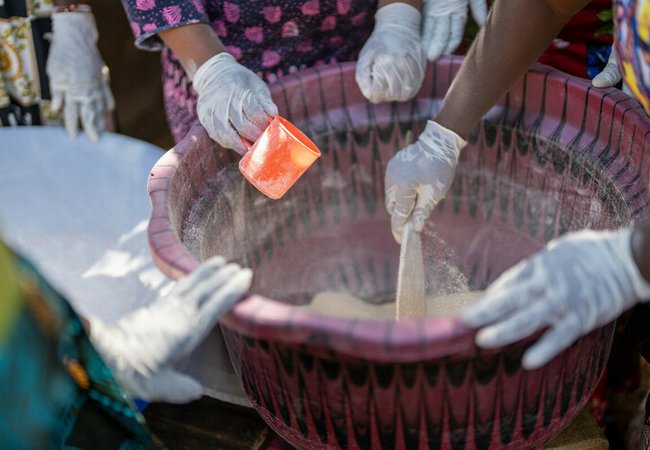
{"x": 278, "y": 158}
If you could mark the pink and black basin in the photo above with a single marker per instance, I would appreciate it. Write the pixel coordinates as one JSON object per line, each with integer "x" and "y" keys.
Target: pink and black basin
{"x": 554, "y": 155}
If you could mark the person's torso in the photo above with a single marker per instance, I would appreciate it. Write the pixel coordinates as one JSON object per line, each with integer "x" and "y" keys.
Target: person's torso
{"x": 276, "y": 37}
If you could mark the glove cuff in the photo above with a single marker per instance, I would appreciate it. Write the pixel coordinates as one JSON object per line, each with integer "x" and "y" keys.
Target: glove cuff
{"x": 446, "y": 143}
{"x": 640, "y": 286}
{"x": 202, "y": 74}
{"x": 398, "y": 14}
{"x": 83, "y": 24}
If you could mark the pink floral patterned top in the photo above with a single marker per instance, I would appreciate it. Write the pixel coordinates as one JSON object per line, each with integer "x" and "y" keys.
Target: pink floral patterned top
{"x": 270, "y": 37}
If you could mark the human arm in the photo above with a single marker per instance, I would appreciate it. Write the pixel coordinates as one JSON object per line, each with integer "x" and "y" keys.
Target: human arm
{"x": 579, "y": 282}
{"x": 391, "y": 64}
{"x": 78, "y": 77}
{"x": 233, "y": 102}
{"x": 514, "y": 36}
{"x": 143, "y": 347}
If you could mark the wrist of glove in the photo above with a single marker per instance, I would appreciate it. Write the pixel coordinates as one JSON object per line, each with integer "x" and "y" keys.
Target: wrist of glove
{"x": 579, "y": 282}
{"x": 391, "y": 64}
{"x": 143, "y": 347}
{"x": 444, "y": 24}
{"x": 420, "y": 175}
{"x": 233, "y": 102}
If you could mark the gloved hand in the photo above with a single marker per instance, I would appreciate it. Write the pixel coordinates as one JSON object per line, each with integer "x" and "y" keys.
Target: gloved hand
{"x": 420, "y": 175}
{"x": 78, "y": 76}
{"x": 579, "y": 282}
{"x": 610, "y": 74}
{"x": 444, "y": 24}
{"x": 391, "y": 64}
{"x": 143, "y": 347}
{"x": 233, "y": 102}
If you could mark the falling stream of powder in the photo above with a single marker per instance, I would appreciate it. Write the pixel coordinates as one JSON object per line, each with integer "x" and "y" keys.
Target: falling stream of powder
{"x": 411, "y": 279}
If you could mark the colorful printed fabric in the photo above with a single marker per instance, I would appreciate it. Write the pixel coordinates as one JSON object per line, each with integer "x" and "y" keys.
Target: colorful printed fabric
{"x": 633, "y": 46}
{"x": 24, "y": 87}
{"x": 583, "y": 46}
{"x": 55, "y": 390}
{"x": 272, "y": 38}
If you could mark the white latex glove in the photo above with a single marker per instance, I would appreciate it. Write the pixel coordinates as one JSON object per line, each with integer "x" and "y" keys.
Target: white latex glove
{"x": 391, "y": 63}
{"x": 444, "y": 24}
{"x": 78, "y": 77}
{"x": 610, "y": 74}
{"x": 233, "y": 102}
{"x": 143, "y": 347}
{"x": 579, "y": 282}
{"x": 420, "y": 175}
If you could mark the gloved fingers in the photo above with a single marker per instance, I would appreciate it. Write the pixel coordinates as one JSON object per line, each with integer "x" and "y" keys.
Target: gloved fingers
{"x": 610, "y": 74}
{"x": 224, "y": 134}
{"x": 405, "y": 199}
{"x": 408, "y": 78}
{"x": 424, "y": 205}
{"x": 521, "y": 324}
{"x": 479, "y": 11}
{"x": 167, "y": 385}
{"x": 366, "y": 77}
{"x": 204, "y": 271}
{"x": 250, "y": 121}
{"x": 232, "y": 140}
{"x": 224, "y": 296}
{"x": 268, "y": 105}
{"x": 435, "y": 36}
{"x": 456, "y": 29}
{"x": 207, "y": 287}
{"x": 561, "y": 336}
{"x": 512, "y": 291}
{"x": 388, "y": 81}
{"x": 71, "y": 117}
{"x": 92, "y": 119}
{"x": 57, "y": 100}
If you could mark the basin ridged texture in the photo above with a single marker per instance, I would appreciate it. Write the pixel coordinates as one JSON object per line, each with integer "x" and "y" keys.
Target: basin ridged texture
{"x": 554, "y": 155}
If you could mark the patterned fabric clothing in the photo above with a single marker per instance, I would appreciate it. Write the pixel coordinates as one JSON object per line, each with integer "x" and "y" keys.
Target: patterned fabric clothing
{"x": 55, "y": 390}
{"x": 633, "y": 46}
{"x": 24, "y": 87}
{"x": 271, "y": 37}
{"x": 583, "y": 46}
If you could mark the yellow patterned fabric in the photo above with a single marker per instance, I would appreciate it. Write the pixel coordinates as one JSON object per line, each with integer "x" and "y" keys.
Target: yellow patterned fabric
{"x": 10, "y": 301}
{"x": 24, "y": 88}
{"x": 18, "y": 65}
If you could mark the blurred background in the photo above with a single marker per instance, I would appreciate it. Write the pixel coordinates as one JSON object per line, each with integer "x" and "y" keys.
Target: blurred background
{"x": 135, "y": 77}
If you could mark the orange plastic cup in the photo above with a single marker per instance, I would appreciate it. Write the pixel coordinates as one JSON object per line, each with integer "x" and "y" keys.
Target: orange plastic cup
{"x": 278, "y": 158}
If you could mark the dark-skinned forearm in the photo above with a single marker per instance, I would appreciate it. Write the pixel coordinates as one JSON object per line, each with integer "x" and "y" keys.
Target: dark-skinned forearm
{"x": 516, "y": 33}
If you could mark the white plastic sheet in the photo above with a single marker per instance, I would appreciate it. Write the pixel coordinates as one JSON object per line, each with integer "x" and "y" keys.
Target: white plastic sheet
{"x": 79, "y": 211}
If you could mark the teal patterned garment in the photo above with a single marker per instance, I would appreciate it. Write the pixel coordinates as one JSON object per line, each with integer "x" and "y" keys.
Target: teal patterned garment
{"x": 55, "y": 391}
